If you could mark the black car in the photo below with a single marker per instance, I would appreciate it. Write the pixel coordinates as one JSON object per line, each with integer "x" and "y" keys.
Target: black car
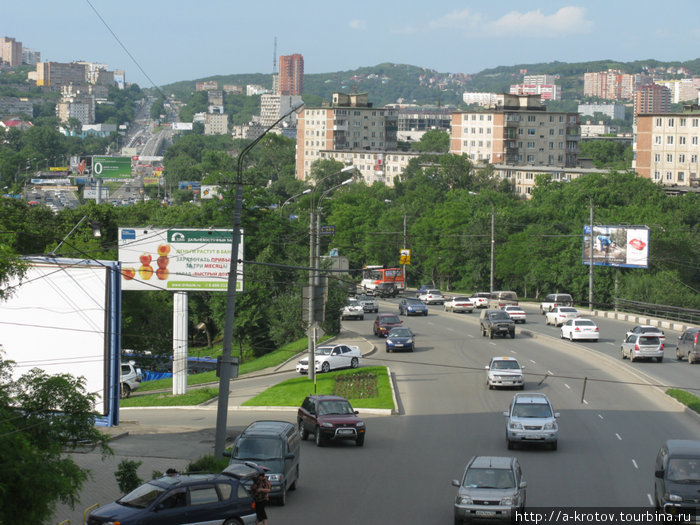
{"x": 496, "y": 322}
{"x": 180, "y": 499}
{"x": 386, "y": 290}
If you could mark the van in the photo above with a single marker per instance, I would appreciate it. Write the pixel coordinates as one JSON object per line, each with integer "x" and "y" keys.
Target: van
{"x": 677, "y": 474}
{"x": 500, "y": 299}
{"x": 276, "y": 446}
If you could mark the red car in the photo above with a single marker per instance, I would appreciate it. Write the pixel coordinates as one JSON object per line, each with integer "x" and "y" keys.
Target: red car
{"x": 385, "y": 322}
{"x": 330, "y": 418}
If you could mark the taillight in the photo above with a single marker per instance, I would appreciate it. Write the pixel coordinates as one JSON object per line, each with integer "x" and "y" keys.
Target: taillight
{"x": 662, "y": 346}
{"x": 695, "y": 341}
{"x": 578, "y": 329}
{"x": 636, "y": 347}
{"x": 596, "y": 328}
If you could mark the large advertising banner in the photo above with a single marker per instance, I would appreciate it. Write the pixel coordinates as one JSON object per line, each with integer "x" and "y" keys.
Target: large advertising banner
{"x": 177, "y": 259}
{"x": 623, "y": 246}
{"x": 111, "y": 167}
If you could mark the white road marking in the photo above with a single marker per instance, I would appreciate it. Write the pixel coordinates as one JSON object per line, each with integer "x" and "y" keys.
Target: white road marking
{"x": 618, "y": 436}
{"x": 635, "y": 464}
{"x": 611, "y": 344}
{"x": 532, "y": 362}
{"x": 651, "y": 501}
{"x": 600, "y": 416}
{"x": 550, "y": 372}
{"x": 586, "y": 402}
{"x": 567, "y": 386}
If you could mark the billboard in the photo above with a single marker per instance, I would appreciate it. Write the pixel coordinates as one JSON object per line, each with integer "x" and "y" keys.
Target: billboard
{"x": 211, "y": 192}
{"x": 622, "y": 246}
{"x": 177, "y": 259}
{"x": 111, "y": 167}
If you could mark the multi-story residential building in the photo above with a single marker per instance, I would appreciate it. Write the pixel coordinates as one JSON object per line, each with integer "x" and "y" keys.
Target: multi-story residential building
{"x": 233, "y": 89}
{"x": 614, "y": 111}
{"x": 207, "y": 85}
{"x": 482, "y": 99}
{"x": 81, "y": 107}
{"x": 30, "y": 57}
{"x": 588, "y": 129}
{"x": 545, "y": 91}
{"x": 58, "y": 74}
{"x": 374, "y": 166}
{"x": 540, "y": 80}
{"x": 683, "y": 90}
{"x": 424, "y": 118}
{"x": 215, "y": 97}
{"x": 10, "y": 52}
{"x": 523, "y": 178}
{"x": 667, "y": 149}
{"x": 216, "y": 124}
{"x": 611, "y": 84}
{"x": 517, "y": 131}
{"x": 652, "y": 98}
{"x": 272, "y": 107}
{"x": 255, "y": 89}
{"x": 14, "y": 106}
{"x": 291, "y": 74}
{"x": 349, "y": 125}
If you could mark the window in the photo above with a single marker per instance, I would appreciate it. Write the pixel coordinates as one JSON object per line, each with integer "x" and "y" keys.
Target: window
{"x": 669, "y": 139}
{"x": 551, "y": 131}
{"x": 531, "y": 118}
{"x": 669, "y": 175}
{"x": 669, "y": 157}
{"x": 531, "y": 131}
{"x": 657, "y": 139}
{"x": 681, "y": 140}
{"x": 695, "y": 122}
{"x": 681, "y": 176}
{"x": 694, "y": 141}
{"x": 657, "y": 157}
{"x": 693, "y": 158}
{"x": 681, "y": 157}
{"x": 681, "y": 122}
{"x": 671, "y": 122}
{"x": 203, "y": 495}
{"x": 531, "y": 158}
{"x": 530, "y": 145}
{"x": 657, "y": 175}
{"x": 658, "y": 122}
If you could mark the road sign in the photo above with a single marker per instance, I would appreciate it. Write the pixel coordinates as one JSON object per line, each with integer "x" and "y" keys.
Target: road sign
{"x": 405, "y": 257}
{"x": 327, "y": 229}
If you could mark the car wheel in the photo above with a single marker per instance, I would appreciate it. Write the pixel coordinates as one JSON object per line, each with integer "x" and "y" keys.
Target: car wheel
{"x": 622, "y": 353}
{"x": 512, "y": 334}
{"x": 571, "y": 337}
{"x": 489, "y": 385}
{"x": 561, "y": 334}
{"x": 325, "y": 367}
{"x": 282, "y": 498}
{"x": 510, "y": 444}
{"x": 354, "y": 362}
{"x": 126, "y": 390}
{"x": 490, "y": 334}
{"x": 553, "y": 446}
{"x": 632, "y": 357}
{"x": 360, "y": 441}
{"x": 388, "y": 350}
{"x": 233, "y": 522}
{"x": 659, "y": 359}
{"x": 362, "y": 318}
{"x": 303, "y": 434}
{"x": 425, "y": 313}
{"x": 678, "y": 355}
{"x": 546, "y": 321}
{"x": 690, "y": 358}
{"x": 318, "y": 438}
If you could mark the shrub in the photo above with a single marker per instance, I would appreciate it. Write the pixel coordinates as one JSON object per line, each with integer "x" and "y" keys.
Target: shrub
{"x": 127, "y": 475}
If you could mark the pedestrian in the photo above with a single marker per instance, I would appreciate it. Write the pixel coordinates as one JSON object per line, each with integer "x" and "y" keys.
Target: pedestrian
{"x": 171, "y": 472}
{"x": 261, "y": 495}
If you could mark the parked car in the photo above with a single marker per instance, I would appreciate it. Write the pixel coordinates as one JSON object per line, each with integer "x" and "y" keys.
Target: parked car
{"x": 459, "y": 303}
{"x": 580, "y": 329}
{"x": 496, "y": 322}
{"x": 131, "y": 378}
{"x": 647, "y": 330}
{"x": 688, "y": 346}
{"x": 559, "y": 315}
{"x": 332, "y": 356}
{"x": 330, "y": 418}
{"x": 385, "y": 322}
{"x": 640, "y": 346}
{"x": 481, "y": 299}
{"x": 423, "y": 288}
{"x": 499, "y": 299}
{"x": 491, "y": 489}
{"x": 531, "y": 419}
{"x": 676, "y": 477}
{"x": 352, "y": 310}
{"x": 516, "y": 313}
{"x": 369, "y": 303}
{"x": 504, "y": 371}
{"x": 386, "y": 290}
{"x": 412, "y": 306}
{"x": 276, "y": 446}
{"x": 400, "y": 338}
{"x": 554, "y": 300}
{"x": 432, "y": 296}
{"x": 200, "y": 498}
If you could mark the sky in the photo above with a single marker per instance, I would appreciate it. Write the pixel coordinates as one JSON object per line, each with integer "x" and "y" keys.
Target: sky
{"x": 160, "y": 42}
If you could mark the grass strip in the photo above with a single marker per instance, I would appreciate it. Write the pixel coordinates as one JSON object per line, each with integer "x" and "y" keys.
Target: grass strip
{"x": 690, "y": 400}
{"x": 191, "y": 398}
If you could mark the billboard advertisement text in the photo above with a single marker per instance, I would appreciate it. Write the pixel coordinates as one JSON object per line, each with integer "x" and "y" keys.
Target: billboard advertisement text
{"x": 111, "y": 167}
{"x": 623, "y": 246}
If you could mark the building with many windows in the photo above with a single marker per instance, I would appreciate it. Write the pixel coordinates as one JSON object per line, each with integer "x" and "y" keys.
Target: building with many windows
{"x": 652, "y": 98}
{"x": 523, "y": 179}
{"x": 216, "y": 124}
{"x": 291, "y": 75}
{"x": 667, "y": 147}
{"x": 59, "y": 74}
{"x": 612, "y": 84}
{"x": 517, "y": 131}
{"x": 272, "y": 107}
{"x": 682, "y": 90}
{"x": 10, "y": 52}
{"x": 614, "y": 111}
{"x": 545, "y": 91}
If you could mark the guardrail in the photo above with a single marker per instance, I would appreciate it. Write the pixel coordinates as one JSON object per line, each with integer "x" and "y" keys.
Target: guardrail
{"x": 673, "y": 313}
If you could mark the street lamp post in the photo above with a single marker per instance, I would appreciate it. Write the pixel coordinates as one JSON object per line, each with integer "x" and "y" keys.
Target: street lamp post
{"x": 225, "y": 371}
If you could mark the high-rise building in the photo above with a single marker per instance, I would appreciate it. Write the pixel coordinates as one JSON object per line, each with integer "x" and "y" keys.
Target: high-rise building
{"x": 652, "y": 98}
{"x": 291, "y": 74}
{"x": 517, "y": 131}
{"x": 58, "y": 74}
{"x": 30, "y": 57}
{"x": 10, "y": 52}
{"x": 545, "y": 91}
{"x": 611, "y": 84}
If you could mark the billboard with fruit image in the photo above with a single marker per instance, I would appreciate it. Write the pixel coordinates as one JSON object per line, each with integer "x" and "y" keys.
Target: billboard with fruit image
{"x": 176, "y": 259}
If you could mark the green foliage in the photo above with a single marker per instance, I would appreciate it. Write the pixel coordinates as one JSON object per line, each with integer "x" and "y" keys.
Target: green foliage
{"x": 433, "y": 141}
{"x": 127, "y": 475}
{"x": 607, "y": 154}
{"x": 688, "y": 399}
{"x": 207, "y": 464}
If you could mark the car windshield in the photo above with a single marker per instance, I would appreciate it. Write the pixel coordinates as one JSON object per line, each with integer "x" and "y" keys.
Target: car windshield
{"x": 141, "y": 497}
{"x": 532, "y": 410}
{"x": 513, "y": 309}
{"x": 461, "y": 299}
{"x": 505, "y": 365}
{"x": 389, "y": 319}
{"x": 684, "y": 470}
{"x": 324, "y": 350}
{"x": 649, "y": 330}
{"x": 649, "y": 340}
{"x": 365, "y": 298}
{"x": 257, "y": 448}
{"x": 326, "y": 408}
{"x": 353, "y": 302}
{"x": 499, "y": 315}
{"x": 489, "y": 478}
{"x": 400, "y": 332}
{"x": 584, "y": 323}
{"x": 567, "y": 310}
{"x": 414, "y": 301}
{"x": 434, "y": 292}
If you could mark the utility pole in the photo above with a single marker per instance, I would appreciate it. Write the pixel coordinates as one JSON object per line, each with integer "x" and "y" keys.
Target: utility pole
{"x": 312, "y": 306}
{"x": 493, "y": 242}
{"x": 404, "y": 247}
{"x": 590, "y": 260}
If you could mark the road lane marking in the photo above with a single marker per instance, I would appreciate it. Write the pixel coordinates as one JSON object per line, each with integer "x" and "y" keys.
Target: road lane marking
{"x": 550, "y": 372}
{"x": 635, "y": 464}
{"x": 586, "y": 402}
{"x": 532, "y": 362}
{"x": 567, "y": 386}
{"x": 618, "y": 436}
{"x": 651, "y": 501}
{"x": 600, "y": 416}
{"x": 611, "y": 344}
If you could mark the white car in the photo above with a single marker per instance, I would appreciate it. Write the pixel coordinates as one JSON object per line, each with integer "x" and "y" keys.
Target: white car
{"x": 516, "y": 313}
{"x": 353, "y": 310}
{"x": 580, "y": 329}
{"x": 481, "y": 299}
{"x": 504, "y": 371}
{"x": 432, "y": 297}
{"x": 331, "y": 357}
{"x": 459, "y": 303}
{"x": 559, "y": 315}
{"x": 647, "y": 330}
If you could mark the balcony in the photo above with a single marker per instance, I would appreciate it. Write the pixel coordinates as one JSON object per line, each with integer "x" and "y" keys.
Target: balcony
{"x": 340, "y": 127}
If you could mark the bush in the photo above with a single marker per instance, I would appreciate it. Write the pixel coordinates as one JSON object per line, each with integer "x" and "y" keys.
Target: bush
{"x": 208, "y": 463}
{"x": 127, "y": 476}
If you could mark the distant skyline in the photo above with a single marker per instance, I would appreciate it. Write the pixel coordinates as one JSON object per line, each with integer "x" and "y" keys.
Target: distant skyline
{"x": 173, "y": 41}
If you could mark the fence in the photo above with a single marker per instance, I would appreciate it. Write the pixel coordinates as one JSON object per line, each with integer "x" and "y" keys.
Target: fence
{"x": 673, "y": 313}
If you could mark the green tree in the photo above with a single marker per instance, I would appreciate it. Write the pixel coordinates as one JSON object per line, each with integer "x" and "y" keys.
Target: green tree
{"x": 433, "y": 141}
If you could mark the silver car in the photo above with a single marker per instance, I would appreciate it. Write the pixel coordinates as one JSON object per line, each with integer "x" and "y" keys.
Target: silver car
{"x": 491, "y": 489}
{"x": 640, "y": 346}
{"x": 504, "y": 371}
{"x": 531, "y": 419}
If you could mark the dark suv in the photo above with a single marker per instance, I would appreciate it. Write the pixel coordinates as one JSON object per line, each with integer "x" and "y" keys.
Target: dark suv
{"x": 386, "y": 290}
{"x": 330, "y": 418}
{"x": 496, "y": 322}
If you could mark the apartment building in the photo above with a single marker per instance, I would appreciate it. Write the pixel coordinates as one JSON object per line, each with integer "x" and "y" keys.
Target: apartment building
{"x": 30, "y": 57}
{"x": 482, "y": 99}
{"x": 81, "y": 107}
{"x": 10, "y": 52}
{"x": 517, "y": 131}
{"x": 540, "y": 80}
{"x": 216, "y": 124}
{"x": 291, "y": 75}
{"x": 683, "y": 90}
{"x": 545, "y": 91}
{"x": 666, "y": 147}
{"x": 14, "y": 106}
{"x": 215, "y": 97}
{"x": 207, "y": 85}
{"x": 614, "y": 111}
{"x": 348, "y": 125}
{"x": 523, "y": 178}
{"x": 59, "y": 74}
{"x": 233, "y": 89}
{"x": 272, "y": 107}
{"x": 424, "y": 118}
{"x": 652, "y": 98}
{"x": 611, "y": 84}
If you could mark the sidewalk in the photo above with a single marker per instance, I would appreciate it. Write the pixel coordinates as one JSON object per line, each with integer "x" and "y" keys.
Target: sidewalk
{"x": 175, "y": 446}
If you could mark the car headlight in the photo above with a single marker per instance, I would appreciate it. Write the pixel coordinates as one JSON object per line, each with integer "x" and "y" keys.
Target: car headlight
{"x": 327, "y": 425}
{"x": 390, "y": 341}
{"x": 360, "y": 424}
{"x": 673, "y": 497}
{"x": 410, "y": 341}
{"x": 515, "y": 426}
{"x": 550, "y": 426}
{"x": 464, "y": 500}
{"x": 275, "y": 477}
{"x": 508, "y": 501}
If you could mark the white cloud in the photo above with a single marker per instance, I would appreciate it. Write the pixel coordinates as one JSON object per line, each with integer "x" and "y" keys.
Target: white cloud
{"x": 357, "y": 24}
{"x": 569, "y": 20}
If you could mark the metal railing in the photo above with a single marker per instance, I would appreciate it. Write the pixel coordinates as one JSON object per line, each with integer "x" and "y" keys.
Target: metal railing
{"x": 673, "y": 313}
